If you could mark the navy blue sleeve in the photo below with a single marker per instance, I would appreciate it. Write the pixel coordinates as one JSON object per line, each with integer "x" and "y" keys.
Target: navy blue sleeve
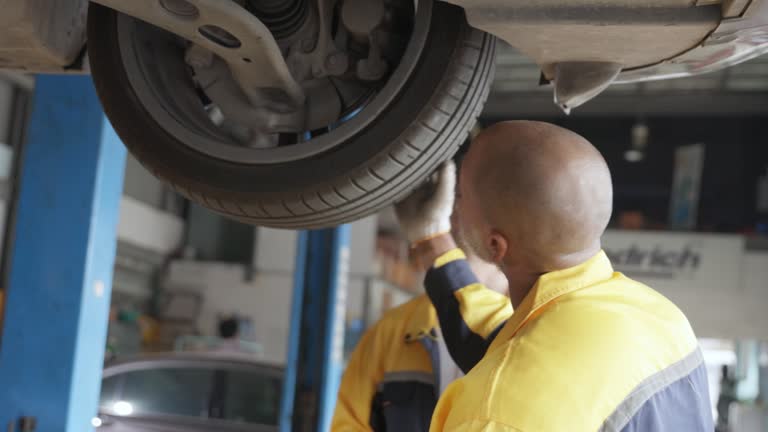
{"x": 465, "y": 346}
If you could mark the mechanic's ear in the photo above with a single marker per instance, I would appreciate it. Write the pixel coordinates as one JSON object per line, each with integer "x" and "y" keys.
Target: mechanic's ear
{"x": 498, "y": 247}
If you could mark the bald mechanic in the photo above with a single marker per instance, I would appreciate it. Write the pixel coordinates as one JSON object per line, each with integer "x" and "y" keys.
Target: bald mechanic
{"x": 587, "y": 348}
{"x": 401, "y": 365}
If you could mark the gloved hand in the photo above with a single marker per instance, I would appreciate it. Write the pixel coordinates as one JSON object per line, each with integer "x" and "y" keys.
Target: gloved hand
{"x": 426, "y": 212}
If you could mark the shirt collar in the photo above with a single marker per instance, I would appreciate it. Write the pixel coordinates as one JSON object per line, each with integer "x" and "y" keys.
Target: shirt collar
{"x": 552, "y": 285}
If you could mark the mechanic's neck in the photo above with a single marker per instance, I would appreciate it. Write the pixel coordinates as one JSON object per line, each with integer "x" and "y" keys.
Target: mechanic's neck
{"x": 520, "y": 284}
{"x": 520, "y": 274}
{"x": 522, "y": 278}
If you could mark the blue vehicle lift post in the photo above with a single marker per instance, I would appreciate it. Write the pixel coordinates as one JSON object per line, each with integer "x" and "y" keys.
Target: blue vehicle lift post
{"x": 59, "y": 279}
{"x": 316, "y": 339}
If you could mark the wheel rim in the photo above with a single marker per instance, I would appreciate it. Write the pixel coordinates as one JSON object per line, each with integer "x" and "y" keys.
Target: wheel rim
{"x": 155, "y": 67}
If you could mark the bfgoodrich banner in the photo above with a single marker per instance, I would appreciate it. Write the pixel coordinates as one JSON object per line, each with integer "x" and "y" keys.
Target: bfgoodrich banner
{"x": 677, "y": 261}
{"x": 721, "y": 287}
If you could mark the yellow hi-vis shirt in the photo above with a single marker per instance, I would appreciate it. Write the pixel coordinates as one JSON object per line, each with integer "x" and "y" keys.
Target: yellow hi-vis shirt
{"x": 392, "y": 380}
{"x": 587, "y": 350}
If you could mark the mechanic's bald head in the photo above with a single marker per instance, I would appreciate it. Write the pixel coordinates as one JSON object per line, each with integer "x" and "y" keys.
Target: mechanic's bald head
{"x": 534, "y": 195}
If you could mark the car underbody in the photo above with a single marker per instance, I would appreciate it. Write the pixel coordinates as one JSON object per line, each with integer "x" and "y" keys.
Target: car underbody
{"x": 581, "y": 45}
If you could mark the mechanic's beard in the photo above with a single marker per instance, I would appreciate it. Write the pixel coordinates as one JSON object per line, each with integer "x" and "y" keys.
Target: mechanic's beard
{"x": 469, "y": 240}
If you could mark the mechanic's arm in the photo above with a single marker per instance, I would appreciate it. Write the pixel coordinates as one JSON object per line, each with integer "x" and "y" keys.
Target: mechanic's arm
{"x": 354, "y": 406}
{"x": 469, "y": 313}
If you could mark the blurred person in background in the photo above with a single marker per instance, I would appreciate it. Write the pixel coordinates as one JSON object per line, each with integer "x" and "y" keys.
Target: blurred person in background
{"x": 402, "y": 363}
{"x": 229, "y": 336}
{"x": 725, "y": 399}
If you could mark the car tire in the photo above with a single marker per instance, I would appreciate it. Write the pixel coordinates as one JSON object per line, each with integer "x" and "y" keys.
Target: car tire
{"x": 423, "y": 126}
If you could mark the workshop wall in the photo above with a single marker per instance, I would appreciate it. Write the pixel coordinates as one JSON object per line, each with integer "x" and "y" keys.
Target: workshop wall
{"x": 263, "y": 293}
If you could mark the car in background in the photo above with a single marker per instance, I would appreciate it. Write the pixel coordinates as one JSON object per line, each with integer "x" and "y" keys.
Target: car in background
{"x": 189, "y": 392}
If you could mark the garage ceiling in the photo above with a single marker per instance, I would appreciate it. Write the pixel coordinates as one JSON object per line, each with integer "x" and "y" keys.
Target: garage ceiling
{"x": 741, "y": 90}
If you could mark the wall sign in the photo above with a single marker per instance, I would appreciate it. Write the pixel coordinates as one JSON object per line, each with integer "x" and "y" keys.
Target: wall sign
{"x": 679, "y": 261}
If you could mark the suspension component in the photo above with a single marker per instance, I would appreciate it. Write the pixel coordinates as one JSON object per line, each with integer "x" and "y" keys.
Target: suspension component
{"x": 238, "y": 38}
{"x": 360, "y": 17}
{"x": 283, "y": 18}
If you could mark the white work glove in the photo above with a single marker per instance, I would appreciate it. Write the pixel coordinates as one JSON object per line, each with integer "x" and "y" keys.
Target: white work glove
{"x": 426, "y": 212}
